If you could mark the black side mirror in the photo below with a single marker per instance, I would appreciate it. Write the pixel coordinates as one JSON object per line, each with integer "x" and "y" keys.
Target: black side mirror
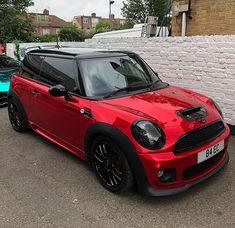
{"x": 59, "y": 91}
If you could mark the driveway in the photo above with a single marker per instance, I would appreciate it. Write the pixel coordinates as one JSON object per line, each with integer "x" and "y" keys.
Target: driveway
{"x": 42, "y": 185}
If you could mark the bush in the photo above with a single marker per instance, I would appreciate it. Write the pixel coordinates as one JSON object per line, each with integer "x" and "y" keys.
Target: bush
{"x": 45, "y": 38}
{"x": 70, "y": 34}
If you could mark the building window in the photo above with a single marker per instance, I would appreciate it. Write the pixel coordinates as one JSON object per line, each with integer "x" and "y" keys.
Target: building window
{"x": 42, "y": 18}
{"x": 45, "y": 31}
{"x": 85, "y": 20}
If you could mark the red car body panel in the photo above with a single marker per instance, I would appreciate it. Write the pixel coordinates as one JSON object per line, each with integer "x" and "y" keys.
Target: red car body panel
{"x": 53, "y": 117}
{"x": 63, "y": 123}
{"x": 158, "y": 106}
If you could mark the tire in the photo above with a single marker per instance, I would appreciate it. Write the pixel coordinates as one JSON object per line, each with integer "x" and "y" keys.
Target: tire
{"x": 110, "y": 165}
{"x": 17, "y": 115}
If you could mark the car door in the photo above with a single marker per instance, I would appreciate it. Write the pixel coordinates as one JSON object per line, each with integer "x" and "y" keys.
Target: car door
{"x": 25, "y": 84}
{"x": 55, "y": 117}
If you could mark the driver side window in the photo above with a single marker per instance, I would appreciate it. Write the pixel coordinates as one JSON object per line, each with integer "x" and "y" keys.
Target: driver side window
{"x": 56, "y": 71}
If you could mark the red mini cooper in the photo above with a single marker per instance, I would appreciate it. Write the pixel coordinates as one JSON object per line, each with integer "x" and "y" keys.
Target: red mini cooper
{"x": 111, "y": 109}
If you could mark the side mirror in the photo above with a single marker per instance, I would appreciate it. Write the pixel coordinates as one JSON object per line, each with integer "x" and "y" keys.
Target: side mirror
{"x": 59, "y": 91}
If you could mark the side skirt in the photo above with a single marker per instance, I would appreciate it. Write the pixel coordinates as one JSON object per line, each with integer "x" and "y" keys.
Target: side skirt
{"x": 58, "y": 142}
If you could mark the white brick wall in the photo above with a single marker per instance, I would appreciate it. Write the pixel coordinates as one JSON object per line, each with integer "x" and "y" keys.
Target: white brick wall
{"x": 205, "y": 64}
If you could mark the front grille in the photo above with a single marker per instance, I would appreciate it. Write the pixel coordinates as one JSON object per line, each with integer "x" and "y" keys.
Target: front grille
{"x": 198, "y": 169}
{"x": 199, "y": 137}
{"x": 5, "y": 77}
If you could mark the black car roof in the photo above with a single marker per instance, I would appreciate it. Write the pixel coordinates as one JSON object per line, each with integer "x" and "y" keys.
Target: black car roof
{"x": 81, "y": 52}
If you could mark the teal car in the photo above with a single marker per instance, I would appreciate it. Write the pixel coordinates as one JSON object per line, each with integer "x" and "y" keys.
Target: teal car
{"x": 8, "y": 67}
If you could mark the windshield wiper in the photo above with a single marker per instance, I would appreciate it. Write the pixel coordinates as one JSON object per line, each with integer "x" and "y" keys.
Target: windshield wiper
{"x": 158, "y": 85}
{"x": 127, "y": 89}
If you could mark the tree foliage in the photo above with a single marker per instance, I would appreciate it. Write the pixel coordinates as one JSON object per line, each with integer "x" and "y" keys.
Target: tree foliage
{"x": 127, "y": 25}
{"x": 71, "y": 33}
{"x": 138, "y": 10}
{"x": 15, "y": 24}
{"x": 46, "y": 38}
{"x": 102, "y": 26}
{"x": 135, "y": 10}
{"x": 159, "y": 8}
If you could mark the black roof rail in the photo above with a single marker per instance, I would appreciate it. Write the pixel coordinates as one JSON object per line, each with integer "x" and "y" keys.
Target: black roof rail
{"x": 49, "y": 51}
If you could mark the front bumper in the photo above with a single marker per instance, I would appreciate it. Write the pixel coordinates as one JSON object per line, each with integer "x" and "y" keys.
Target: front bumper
{"x": 167, "y": 192}
{"x": 3, "y": 99}
{"x": 186, "y": 161}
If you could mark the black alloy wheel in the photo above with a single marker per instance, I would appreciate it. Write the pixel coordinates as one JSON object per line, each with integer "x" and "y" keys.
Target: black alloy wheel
{"x": 110, "y": 165}
{"x": 17, "y": 116}
{"x": 14, "y": 116}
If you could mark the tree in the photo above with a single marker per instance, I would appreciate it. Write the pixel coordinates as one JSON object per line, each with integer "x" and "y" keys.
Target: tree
{"x": 15, "y": 24}
{"x": 160, "y": 9}
{"x": 70, "y": 34}
{"x": 102, "y": 26}
{"x": 135, "y": 10}
{"x": 138, "y": 10}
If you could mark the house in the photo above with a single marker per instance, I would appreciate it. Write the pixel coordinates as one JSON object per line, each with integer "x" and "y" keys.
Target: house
{"x": 206, "y": 17}
{"x": 86, "y": 22}
{"x": 89, "y": 22}
{"x": 46, "y": 24}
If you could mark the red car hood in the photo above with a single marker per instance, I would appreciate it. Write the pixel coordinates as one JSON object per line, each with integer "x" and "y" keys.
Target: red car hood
{"x": 161, "y": 105}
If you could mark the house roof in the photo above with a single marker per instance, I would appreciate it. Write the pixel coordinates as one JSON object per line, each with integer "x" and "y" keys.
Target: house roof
{"x": 53, "y": 21}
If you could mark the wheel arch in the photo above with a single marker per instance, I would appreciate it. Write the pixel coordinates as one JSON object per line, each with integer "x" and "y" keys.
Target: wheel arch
{"x": 13, "y": 95}
{"x": 103, "y": 129}
{"x": 125, "y": 145}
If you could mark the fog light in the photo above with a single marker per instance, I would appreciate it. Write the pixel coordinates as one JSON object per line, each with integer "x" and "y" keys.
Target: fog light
{"x": 160, "y": 173}
{"x": 167, "y": 175}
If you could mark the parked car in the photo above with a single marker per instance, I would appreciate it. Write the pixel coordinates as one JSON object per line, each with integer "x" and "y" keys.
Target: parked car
{"x": 8, "y": 67}
{"x": 111, "y": 109}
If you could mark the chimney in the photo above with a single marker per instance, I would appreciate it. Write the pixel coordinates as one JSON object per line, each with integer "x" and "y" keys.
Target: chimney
{"x": 93, "y": 15}
{"x": 111, "y": 17}
{"x": 46, "y": 11}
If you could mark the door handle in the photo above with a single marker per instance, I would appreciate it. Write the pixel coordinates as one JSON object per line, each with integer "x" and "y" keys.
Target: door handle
{"x": 35, "y": 92}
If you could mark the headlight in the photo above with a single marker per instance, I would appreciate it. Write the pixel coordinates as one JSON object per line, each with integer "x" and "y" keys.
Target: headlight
{"x": 218, "y": 108}
{"x": 148, "y": 134}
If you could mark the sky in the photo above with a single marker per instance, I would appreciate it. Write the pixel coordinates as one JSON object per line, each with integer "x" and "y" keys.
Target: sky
{"x": 67, "y": 9}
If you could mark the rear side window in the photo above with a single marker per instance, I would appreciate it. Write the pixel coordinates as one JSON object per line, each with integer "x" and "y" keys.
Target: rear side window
{"x": 31, "y": 66}
{"x": 56, "y": 71}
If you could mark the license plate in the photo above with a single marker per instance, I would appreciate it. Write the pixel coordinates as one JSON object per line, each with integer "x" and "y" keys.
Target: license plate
{"x": 210, "y": 152}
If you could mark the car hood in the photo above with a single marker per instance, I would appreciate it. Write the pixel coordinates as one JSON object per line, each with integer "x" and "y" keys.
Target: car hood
{"x": 161, "y": 106}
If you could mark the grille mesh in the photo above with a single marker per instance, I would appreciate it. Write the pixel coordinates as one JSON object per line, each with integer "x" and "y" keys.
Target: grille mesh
{"x": 6, "y": 76}
{"x": 199, "y": 137}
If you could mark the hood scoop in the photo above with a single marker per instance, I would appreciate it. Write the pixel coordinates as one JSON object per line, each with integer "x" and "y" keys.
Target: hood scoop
{"x": 192, "y": 113}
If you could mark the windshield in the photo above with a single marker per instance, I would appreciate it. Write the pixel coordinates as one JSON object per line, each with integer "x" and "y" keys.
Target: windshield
{"x": 103, "y": 76}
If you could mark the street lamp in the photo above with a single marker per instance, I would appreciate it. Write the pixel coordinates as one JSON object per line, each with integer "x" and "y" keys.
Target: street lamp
{"x": 110, "y": 6}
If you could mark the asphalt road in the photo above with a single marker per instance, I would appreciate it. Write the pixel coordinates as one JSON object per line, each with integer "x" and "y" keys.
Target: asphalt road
{"x": 42, "y": 185}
